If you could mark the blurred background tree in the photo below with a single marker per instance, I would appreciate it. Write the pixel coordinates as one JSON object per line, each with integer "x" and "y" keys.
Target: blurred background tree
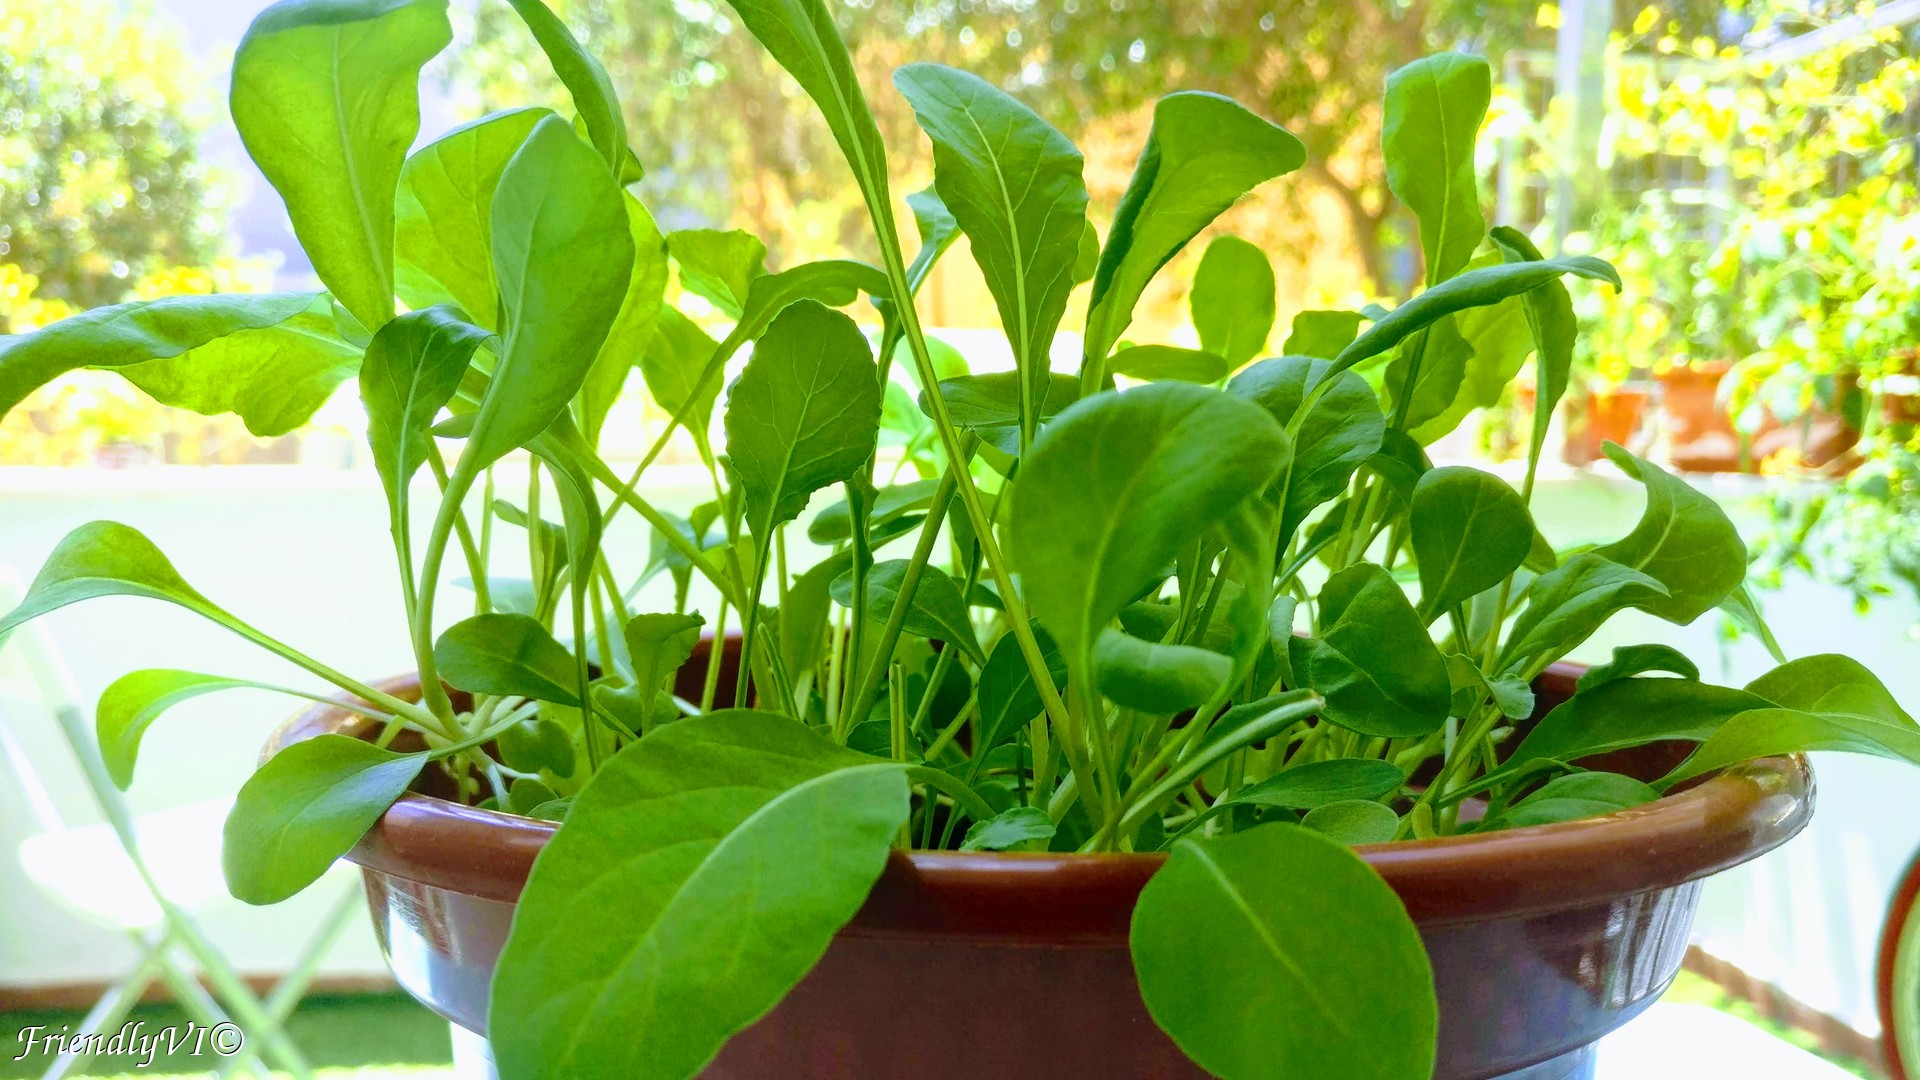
{"x": 101, "y": 183}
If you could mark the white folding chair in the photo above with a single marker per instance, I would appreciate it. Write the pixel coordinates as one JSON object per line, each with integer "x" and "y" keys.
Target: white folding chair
{"x": 143, "y": 875}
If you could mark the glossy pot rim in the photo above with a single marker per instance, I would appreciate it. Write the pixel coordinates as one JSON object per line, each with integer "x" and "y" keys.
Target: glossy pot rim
{"x": 1080, "y": 899}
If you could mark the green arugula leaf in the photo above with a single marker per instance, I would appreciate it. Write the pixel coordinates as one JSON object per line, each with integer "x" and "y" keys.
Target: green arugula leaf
{"x": 989, "y": 405}
{"x": 1117, "y": 486}
{"x": 938, "y": 611}
{"x": 307, "y": 806}
{"x": 1203, "y": 153}
{"x": 804, "y": 414}
{"x": 734, "y": 845}
{"x": 443, "y": 225}
{"x": 413, "y": 367}
{"x": 1322, "y": 334}
{"x": 1155, "y": 677}
{"x": 1470, "y": 530}
{"x": 1551, "y": 321}
{"x": 1323, "y": 783}
{"x": 1566, "y": 605}
{"x": 506, "y": 654}
{"x": 1373, "y": 659}
{"x": 1353, "y": 822}
{"x": 1630, "y": 712}
{"x": 1009, "y": 829}
{"x": 1342, "y": 427}
{"x": 593, "y": 94}
{"x": 1009, "y": 698}
{"x": 1232, "y": 301}
{"x": 1572, "y": 797}
{"x": 1282, "y": 918}
{"x": 563, "y": 257}
{"x": 1013, "y": 184}
{"x": 672, "y": 368}
{"x": 1631, "y": 660}
{"x": 333, "y": 146}
{"x": 1434, "y": 107}
{"x": 719, "y": 265}
{"x": 938, "y": 230}
{"x": 633, "y": 328}
{"x": 1683, "y": 540}
{"x": 131, "y": 703}
{"x": 1829, "y": 682}
{"x": 1155, "y": 363}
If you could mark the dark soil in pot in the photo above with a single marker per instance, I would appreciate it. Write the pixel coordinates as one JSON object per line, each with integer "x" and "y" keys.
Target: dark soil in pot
{"x": 1542, "y": 939}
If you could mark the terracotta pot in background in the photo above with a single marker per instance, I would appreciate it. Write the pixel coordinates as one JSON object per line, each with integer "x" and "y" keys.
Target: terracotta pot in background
{"x": 1701, "y": 436}
{"x": 1614, "y": 414}
{"x": 1542, "y": 939}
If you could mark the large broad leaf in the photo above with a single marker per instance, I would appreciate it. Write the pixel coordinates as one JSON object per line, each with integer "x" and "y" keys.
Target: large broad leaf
{"x": 443, "y": 223}
{"x": 326, "y": 96}
{"x": 131, "y": 703}
{"x": 1470, "y": 530}
{"x": 1341, "y": 429}
{"x": 307, "y": 806}
{"x": 1551, "y": 321}
{"x": 412, "y": 369}
{"x": 1567, "y": 604}
{"x": 1233, "y": 300}
{"x": 1118, "y": 485}
{"x": 1009, "y": 698}
{"x": 1203, "y": 153}
{"x": 1434, "y": 107}
{"x": 139, "y": 332}
{"x": 507, "y": 654}
{"x": 563, "y": 256}
{"x": 719, "y": 265}
{"x": 584, "y": 78}
{"x": 633, "y": 328}
{"x": 1281, "y": 922}
{"x": 1013, "y": 184}
{"x": 1156, "y": 363}
{"x": 274, "y": 378}
{"x": 1683, "y": 540}
{"x": 938, "y": 611}
{"x": 1830, "y": 682}
{"x": 1372, "y": 658}
{"x": 1475, "y": 288}
{"x": 733, "y": 846}
{"x": 804, "y": 413}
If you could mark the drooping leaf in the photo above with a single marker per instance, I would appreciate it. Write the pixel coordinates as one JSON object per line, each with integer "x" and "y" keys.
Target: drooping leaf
{"x": 137, "y": 332}
{"x": 1683, "y": 540}
{"x": 1551, "y": 321}
{"x": 274, "y": 378}
{"x": 1013, "y": 184}
{"x": 1474, "y": 288}
{"x": 1343, "y": 428}
{"x": 1322, "y": 334}
{"x": 499, "y": 653}
{"x": 585, "y": 79}
{"x": 1565, "y": 606}
{"x": 333, "y": 145}
{"x": 1009, "y": 829}
{"x": 443, "y": 224}
{"x": 1572, "y": 797}
{"x": 563, "y": 257}
{"x": 1322, "y": 783}
{"x": 734, "y": 846}
{"x": 1353, "y": 822}
{"x": 1282, "y": 920}
{"x": 412, "y": 369}
{"x": 307, "y": 806}
{"x": 1372, "y": 659}
{"x": 1829, "y": 682}
{"x": 1233, "y": 300}
{"x": 1154, "y": 677}
{"x": 1631, "y": 712}
{"x": 1009, "y": 698}
{"x": 1431, "y": 124}
{"x": 1471, "y": 686}
{"x": 1118, "y": 485}
{"x": 632, "y": 332}
{"x": 719, "y": 264}
{"x": 1154, "y": 363}
{"x": 1631, "y": 660}
{"x": 1764, "y": 732}
{"x": 1470, "y": 530}
{"x": 130, "y": 704}
{"x": 659, "y": 644}
{"x": 1203, "y": 153}
{"x": 804, "y": 414}
{"x": 938, "y": 611}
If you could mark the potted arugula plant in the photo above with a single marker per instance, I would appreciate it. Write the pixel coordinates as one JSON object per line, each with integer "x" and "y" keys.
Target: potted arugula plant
{"x": 1172, "y": 716}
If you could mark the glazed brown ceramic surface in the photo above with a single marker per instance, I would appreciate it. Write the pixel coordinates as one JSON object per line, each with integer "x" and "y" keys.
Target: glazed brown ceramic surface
{"x": 1016, "y": 965}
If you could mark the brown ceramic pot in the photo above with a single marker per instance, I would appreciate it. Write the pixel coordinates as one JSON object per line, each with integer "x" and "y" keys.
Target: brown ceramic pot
{"x": 1542, "y": 939}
